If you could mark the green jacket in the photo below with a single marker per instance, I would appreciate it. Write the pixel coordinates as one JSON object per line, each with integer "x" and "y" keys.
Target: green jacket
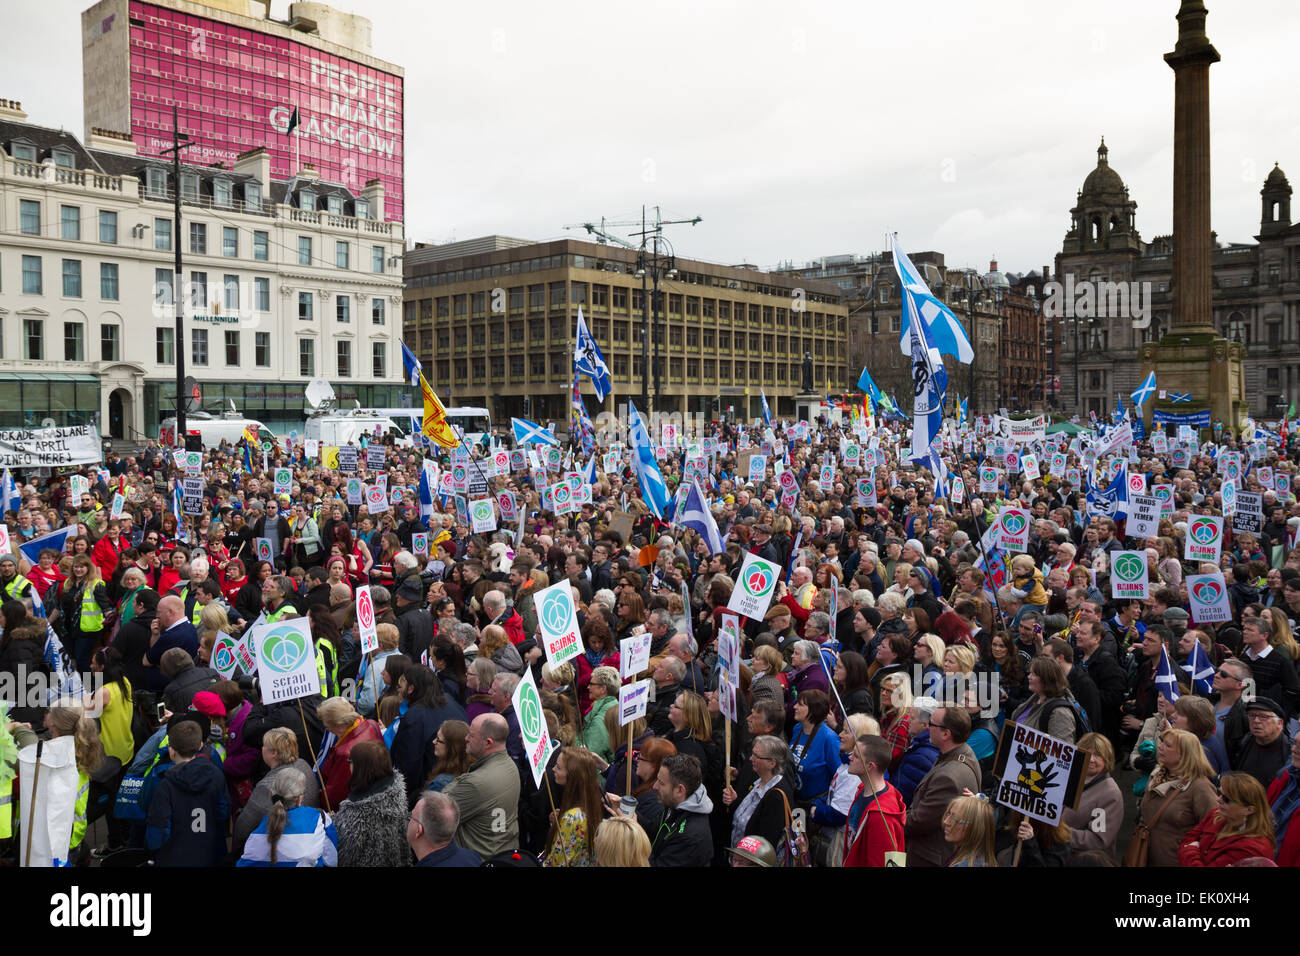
{"x": 594, "y": 735}
{"x": 488, "y": 797}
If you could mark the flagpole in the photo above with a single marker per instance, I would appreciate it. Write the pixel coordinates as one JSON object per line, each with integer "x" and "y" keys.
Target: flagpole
{"x": 980, "y": 538}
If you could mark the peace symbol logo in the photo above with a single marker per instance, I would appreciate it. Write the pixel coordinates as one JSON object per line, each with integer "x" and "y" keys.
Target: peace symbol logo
{"x": 375, "y": 494}
{"x": 758, "y": 581}
{"x": 866, "y": 488}
{"x": 1137, "y": 483}
{"x": 1129, "y": 567}
{"x": 223, "y": 655}
{"x": 1207, "y": 592}
{"x": 561, "y": 494}
{"x": 284, "y": 650}
{"x": 1013, "y": 524}
{"x": 458, "y": 473}
{"x": 1163, "y": 493}
{"x": 1013, "y": 460}
{"x": 530, "y": 712}
{"x": 1204, "y": 532}
{"x": 365, "y": 609}
{"x": 557, "y": 610}
{"x": 482, "y": 510}
{"x": 988, "y": 474}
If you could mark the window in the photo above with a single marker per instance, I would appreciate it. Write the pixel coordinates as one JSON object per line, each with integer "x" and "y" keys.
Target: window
{"x": 231, "y": 287}
{"x": 376, "y": 258}
{"x": 343, "y": 308}
{"x": 72, "y": 278}
{"x": 222, "y": 194}
{"x": 107, "y": 226}
{"x": 304, "y": 250}
{"x": 162, "y": 288}
{"x": 261, "y": 245}
{"x": 165, "y": 343}
{"x": 361, "y": 208}
{"x": 190, "y": 187}
{"x": 341, "y": 255}
{"x": 110, "y": 343}
{"x": 335, "y": 205}
{"x": 345, "y": 358}
{"x": 62, "y": 158}
{"x": 199, "y": 347}
{"x": 306, "y": 357}
{"x": 253, "y": 196}
{"x": 306, "y": 199}
{"x": 262, "y": 294}
{"x": 262, "y": 349}
{"x": 232, "y": 346}
{"x": 199, "y": 238}
{"x": 24, "y": 152}
{"x": 304, "y": 305}
{"x": 198, "y": 290}
{"x": 162, "y": 235}
{"x": 32, "y": 283}
{"x": 156, "y": 182}
{"x": 230, "y": 242}
{"x": 108, "y": 281}
{"x": 376, "y": 311}
{"x": 29, "y": 217}
{"x": 379, "y": 359}
{"x": 33, "y": 339}
{"x": 69, "y": 222}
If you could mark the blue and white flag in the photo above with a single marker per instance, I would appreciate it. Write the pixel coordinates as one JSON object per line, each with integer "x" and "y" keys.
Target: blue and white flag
{"x": 1179, "y": 397}
{"x": 58, "y": 540}
{"x": 1120, "y": 414}
{"x": 867, "y": 384}
{"x": 531, "y": 433}
{"x": 940, "y": 471}
{"x": 944, "y": 329}
{"x": 961, "y": 412}
{"x": 1144, "y": 391}
{"x": 1200, "y": 669}
{"x": 695, "y": 514}
{"x": 1113, "y": 500}
{"x": 767, "y": 412}
{"x": 1166, "y": 681}
{"x": 588, "y": 360}
{"x": 411, "y": 366}
{"x": 929, "y": 383}
{"x": 653, "y": 489}
{"x": 326, "y": 745}
{"x": 426, "y": 498}
{"x": 13, "y": 500}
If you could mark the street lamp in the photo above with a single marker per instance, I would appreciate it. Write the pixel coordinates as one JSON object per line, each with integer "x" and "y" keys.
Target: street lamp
{"x": 179, "y": 141}
{"x": 656, "y": 260}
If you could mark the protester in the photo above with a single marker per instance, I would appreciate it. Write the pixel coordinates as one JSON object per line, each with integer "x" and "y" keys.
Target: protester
{"x": 371, "y": 821}
{"x": 1240, "y": 829}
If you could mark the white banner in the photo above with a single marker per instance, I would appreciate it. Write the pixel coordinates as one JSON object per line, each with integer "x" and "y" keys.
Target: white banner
{"x": 50, "y": 447}
{"x": 1039, "y": 775}
{"x": 633, "y": 655}
{"x": 1023, "y": 431}
{"x": 557, "y": 619}
{"x": 1204, "y": 539}
{"x": 632, "y": 700}
{"x": 367, "y": 630}
{"x": 532, "y": 726}
{"x": 1128, "y": 575}
{"x": 1144, "y": 513}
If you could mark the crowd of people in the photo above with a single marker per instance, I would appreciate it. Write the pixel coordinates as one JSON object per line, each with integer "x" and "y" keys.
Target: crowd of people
{"x": 872, "y": 695}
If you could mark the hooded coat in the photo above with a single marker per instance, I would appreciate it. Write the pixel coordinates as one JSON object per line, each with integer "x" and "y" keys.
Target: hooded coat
{"x": 683, "y": 837}
{"x": 880, "y": 829}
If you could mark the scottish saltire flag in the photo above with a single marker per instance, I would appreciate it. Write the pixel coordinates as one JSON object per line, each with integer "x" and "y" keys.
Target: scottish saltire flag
{"x": 582, "y": 427}
{"x": 64, "y": 680}
{"x": 1113, "y": 501}
{"x": 531, "y": 433}
{"x": 961, "y": 411}
{"x": 940, "y": 471}
{"x": 326, "y": 745}
{"x": 1144, "y": 391}
{"x": 1119, "y": 409}
{"x": 58, "y": 540}
{"x": 411, "y": 366}
{"x": 867, "y": 384}
{"x": 653, "y": 489}
{"x": 589, "y": 472}
{"x": 13, "y": 500}
{"x": 767, "y": 412}
{"x": 1200, "y": 669}
{"x": 426, "y": 497}
{"x": 588, "y": 360}
{"x": 1166, "y": 681}
{"x": 945, "y": 330}
{"x": 1179, "y": 397}
{"x": 695, "y": 514}
{"x": 930, "y": 383}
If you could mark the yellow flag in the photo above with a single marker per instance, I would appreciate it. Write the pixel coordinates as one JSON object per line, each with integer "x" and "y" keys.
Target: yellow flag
{"x": 435, "y": 418}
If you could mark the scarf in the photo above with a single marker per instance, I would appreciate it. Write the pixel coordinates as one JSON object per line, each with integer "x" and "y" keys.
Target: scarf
{"x": 127, "y": 612}
{"x": 391, "y": 730}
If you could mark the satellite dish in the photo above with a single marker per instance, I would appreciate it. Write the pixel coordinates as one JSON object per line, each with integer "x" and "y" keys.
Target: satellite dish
{"x": 318, "y": 392}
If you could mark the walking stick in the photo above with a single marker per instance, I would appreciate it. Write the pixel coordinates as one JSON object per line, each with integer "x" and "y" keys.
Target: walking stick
{"x": 319, "y": 778}
{"x": 31, "y": 813}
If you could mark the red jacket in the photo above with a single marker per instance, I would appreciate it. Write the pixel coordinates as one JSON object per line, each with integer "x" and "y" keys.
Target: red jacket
{"x": 1213, "y": 850}
{"x": 514, "y": 628}
{"x": 105, "y": 556}
{"x": 1288, "y": 854}
{"x": 335, "y": 770}
{"x": 881, "y": 829}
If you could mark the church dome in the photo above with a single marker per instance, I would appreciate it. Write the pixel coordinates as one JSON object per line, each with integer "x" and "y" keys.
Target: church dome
{"x": 1103, "y": 181}
{"x": 1276, "y": 179}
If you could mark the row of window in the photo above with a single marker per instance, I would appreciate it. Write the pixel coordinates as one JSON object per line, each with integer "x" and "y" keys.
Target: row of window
{"x": 34, "y": 279}
{"x": 165, "y": 342}
{"x": 223, "y": 194}
{"x": 677, "y": 338}
{"x": 70, "y": 220}
{"x": 74, "y": 341}
{"x": 342, "y": 308}
{"x": 707, "y": 370}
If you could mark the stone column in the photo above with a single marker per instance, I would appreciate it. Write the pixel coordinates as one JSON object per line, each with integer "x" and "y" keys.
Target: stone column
{"x": 1190, "y": 62}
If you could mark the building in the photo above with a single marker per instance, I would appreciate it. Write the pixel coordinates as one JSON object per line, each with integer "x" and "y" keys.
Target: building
{"x": 873, "y": 297}
{"x": 1022, "y": 342}
{"x": 238, "y": 77}
{"x": 1255, "y": 297}
{"x": 493, "y": 320}
{"x": 284, "y": 281}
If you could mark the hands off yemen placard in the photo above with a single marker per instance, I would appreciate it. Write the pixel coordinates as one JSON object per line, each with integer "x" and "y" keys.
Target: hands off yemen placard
{"x": 286, "y": 662}
{"x": 1128, "y": 575}
{"x": 1144, "y": 512}
{"x": 557, "y": 619}
{"x": 754, "y": 589}
{"x": 1208, "y": 596}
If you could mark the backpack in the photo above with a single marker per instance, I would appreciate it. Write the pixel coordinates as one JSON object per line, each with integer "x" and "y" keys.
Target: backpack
{"x": 1081, "y": 724}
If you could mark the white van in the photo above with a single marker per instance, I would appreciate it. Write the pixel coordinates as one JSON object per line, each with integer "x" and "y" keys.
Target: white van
{"x": 471, "y": 421}
{"x": 345, "y": 429}
{"x": 212, "y": 430}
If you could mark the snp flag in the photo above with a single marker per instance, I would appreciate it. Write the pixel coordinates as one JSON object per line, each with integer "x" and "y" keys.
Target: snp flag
{"x": 767, "y": 412}
{"x": 945, "y": 331}
{"x": 588, "y": 360}
{"x": 929, "y": 384}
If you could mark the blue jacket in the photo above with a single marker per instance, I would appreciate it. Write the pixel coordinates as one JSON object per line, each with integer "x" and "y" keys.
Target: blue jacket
{"x": 451, "y": 855}
{"x": 915, "y": 763}
{"x": 183, "y": 635}
{"x": 816, "y": 760}
{"x": 187, "y": 815}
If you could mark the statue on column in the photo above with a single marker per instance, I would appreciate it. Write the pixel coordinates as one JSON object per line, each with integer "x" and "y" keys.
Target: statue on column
{"x": 806, "y": 385}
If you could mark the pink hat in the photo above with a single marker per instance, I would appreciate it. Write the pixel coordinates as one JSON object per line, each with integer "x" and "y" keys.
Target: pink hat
{"x": 208, "y": 704}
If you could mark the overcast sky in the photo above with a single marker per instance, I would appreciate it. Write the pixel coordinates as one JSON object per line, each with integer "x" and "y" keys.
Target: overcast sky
{"x": 795, "y": 130}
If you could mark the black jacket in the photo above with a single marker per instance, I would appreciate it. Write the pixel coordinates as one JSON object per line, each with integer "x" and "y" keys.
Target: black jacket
{"x": 412, "y": 750}
{"x": 22, "y": 653}
{"x": 1111, "y": 683}
{"x": 187, "y": 794}
{"x": 414, "y": 630}
{"x": 179, "y": 694}
{"x": 768, "y": 819}
{"x": 683, "y": 837}
{"x": 1086, "y": 693}
{"x": 297, "y": 715}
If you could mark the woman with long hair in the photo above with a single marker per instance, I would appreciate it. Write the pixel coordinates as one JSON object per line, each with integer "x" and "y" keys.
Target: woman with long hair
{"x": 693, "y": 734}
{"x": 896, "y": 714}
{"x": 84, "y": 604}
{"x": 315, "y": 841}
{"x": 381, "y": 572}
{"x": 88, "y": 751}
{"x": 1241, "y": 828}
{"x": 645, "y": 770}
{"x": 1010, "y": 668}
{"x": 451, "y": 753}
{"x": 1049, "y": 709}
{"x": 1179, "y": 793}
{"x": 853, "y": 685}
{"x": 573, "y": 824}
{"x": 372, "y": 821}
{"x": 448, "y": 662}
{"x": 969, "y": 825}
{"x": 114, "y": 704}
{"x": 601, "y": 651}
